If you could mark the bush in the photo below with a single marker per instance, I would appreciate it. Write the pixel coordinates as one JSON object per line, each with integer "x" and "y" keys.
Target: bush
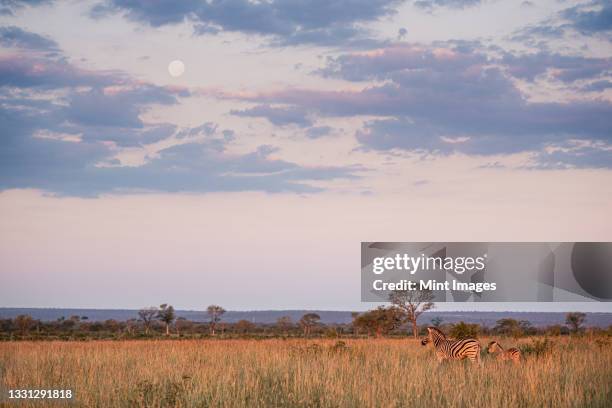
{"x": 464, "y": 330}
{"x": 537, "y": 347}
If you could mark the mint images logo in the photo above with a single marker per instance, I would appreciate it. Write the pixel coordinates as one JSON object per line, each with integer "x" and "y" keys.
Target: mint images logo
{"x": 488, "y": 272}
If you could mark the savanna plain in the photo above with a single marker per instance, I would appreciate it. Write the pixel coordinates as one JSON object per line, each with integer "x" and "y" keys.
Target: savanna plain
{"x": 558, "y": 372}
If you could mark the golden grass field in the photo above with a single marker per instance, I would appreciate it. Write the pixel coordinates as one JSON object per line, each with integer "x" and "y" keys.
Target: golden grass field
{"x": 299, "y": 373}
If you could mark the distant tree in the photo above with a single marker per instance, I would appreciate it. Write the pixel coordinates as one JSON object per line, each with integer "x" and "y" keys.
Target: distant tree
{"x": 308, "y": 321}
{"x": 182, "y": 324}
{"x": 130, "y": 326}
{"x": 214, "y": 313}
{"x": 509, "y": 327}
{"x": 166, "y": 314}
{"x": 147, "y": 315}
{"x": 413, "y": 303}
{"x": 557, "y": 330}
{"x": 381, "y": 320}
{"x": 24, "y": 323}
{"x": 463, "y": 330}
{"x": 111, "y": 325}
{"x": 68, "y": 324}
{"x": 284, "y": 323}
{"x": 526, "y": 327}
{"x": 575, "y": 320}
{"x": 437, "y": 321}
{"x": 354, "y": 316}
{"x": 244, "y": 326}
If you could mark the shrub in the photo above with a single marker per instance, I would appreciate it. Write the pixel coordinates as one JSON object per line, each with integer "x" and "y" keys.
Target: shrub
{"x": 464, "y": 330}
{"x": 537, "y": 347}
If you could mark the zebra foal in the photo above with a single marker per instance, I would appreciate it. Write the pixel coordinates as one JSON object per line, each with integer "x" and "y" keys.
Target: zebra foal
{"x": 512, "y": 354}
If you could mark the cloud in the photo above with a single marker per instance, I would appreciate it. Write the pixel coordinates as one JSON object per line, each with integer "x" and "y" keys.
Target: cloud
{"x": 72, "y": 168}
{"x": 24, "y": 71}
{"x": 317, "y": 132}
{"x": 62, "y": 128}
{"x": 562, "y": 67}
{"x": 598, "y": 86}
{"x": 455, "y": 98}
{"x": 453, "y": 4}
{"x": 16, "y": 37}
{"x": 279, "y": 116}
{"x": 79, "y": 165}
{"x": 120, "y": 108}
{"x": 575, "y": 154}
{"x": 587, "y": 20}
{"x": 10, "y": 7}
{"x": 287, "y": 22}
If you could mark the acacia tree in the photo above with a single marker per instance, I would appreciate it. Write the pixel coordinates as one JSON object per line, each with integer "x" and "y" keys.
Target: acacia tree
{"x": 147, "y": 315}
{"x": 214, "y": 313}
{"x": 244, "y": 326}
{"x": 166, "y": 314}
{"x": 380, "y": 321}
{"x": 308, "y": 321}
{"x": 413, "y": 303}
{"x": 575, "y": 320}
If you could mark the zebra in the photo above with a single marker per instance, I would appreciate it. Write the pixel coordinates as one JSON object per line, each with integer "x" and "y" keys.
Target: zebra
{"x": 512, "y": 354}
{"x": 452, "y": 349}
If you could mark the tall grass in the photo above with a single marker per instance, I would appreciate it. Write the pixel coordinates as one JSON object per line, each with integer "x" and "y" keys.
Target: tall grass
{"x": 320, "y": 373}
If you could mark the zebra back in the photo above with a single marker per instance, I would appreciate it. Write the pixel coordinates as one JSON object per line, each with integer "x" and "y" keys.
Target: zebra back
{"x": 454, "y": 349}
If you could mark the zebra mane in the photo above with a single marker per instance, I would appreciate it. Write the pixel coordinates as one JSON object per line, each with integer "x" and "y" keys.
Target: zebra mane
{"x": 437, "y": 331}
{"x": 496, "y": 343}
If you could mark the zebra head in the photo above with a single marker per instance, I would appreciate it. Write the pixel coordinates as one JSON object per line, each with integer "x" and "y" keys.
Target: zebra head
{"x": 493, "y": 347}
{"x": 435, "y": 336}
{"x": 425, "y": 341}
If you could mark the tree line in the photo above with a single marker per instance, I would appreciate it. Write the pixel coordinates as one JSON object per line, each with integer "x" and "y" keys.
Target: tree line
{"x": 162, "y": 323}
{"x": 400, "y": 318}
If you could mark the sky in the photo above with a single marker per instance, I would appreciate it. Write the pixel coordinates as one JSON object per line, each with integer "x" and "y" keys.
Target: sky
{"x": 298, "y": 129}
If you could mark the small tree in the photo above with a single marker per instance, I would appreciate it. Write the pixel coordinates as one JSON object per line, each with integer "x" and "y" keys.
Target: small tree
{"x": 284, "y": 323}
{"x": 166, "y": 314}
{"x": 182, "y": 324}
{"x": 147, "y": 315}
{"x": 308, "y": 321}
{"x": 509, "y": 327}
{"x": 24, "y": 323}
{"x": 380, "y": 321}
{"x": 214, "y": 313}
{"x": 463, "y": 330}
{"x": 354, "y": 317}
{"x": 413, "y": 303}
{"x": 244, "y": 326}
{"x": 111, "y": 325}
{"x": 575, "y": 320}
{"x": 130, "y": 326}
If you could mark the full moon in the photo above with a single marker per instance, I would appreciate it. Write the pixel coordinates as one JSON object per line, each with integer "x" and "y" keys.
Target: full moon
{"x": 176, "y": 68}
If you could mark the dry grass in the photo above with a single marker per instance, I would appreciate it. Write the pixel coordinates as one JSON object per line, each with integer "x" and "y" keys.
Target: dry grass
{"x": 250, "y": 373}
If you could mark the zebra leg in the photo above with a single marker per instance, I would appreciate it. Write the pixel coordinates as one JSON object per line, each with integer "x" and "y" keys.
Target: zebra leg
{"x": 476, "y": 358}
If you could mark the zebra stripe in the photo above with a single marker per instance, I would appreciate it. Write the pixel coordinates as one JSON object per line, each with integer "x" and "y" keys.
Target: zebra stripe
{"x": 452, "y": 349}
{"x": 512, "y": 354}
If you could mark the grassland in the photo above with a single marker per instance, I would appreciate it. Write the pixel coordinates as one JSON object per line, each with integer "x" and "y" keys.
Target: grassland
{"x": 575, "y": 372}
